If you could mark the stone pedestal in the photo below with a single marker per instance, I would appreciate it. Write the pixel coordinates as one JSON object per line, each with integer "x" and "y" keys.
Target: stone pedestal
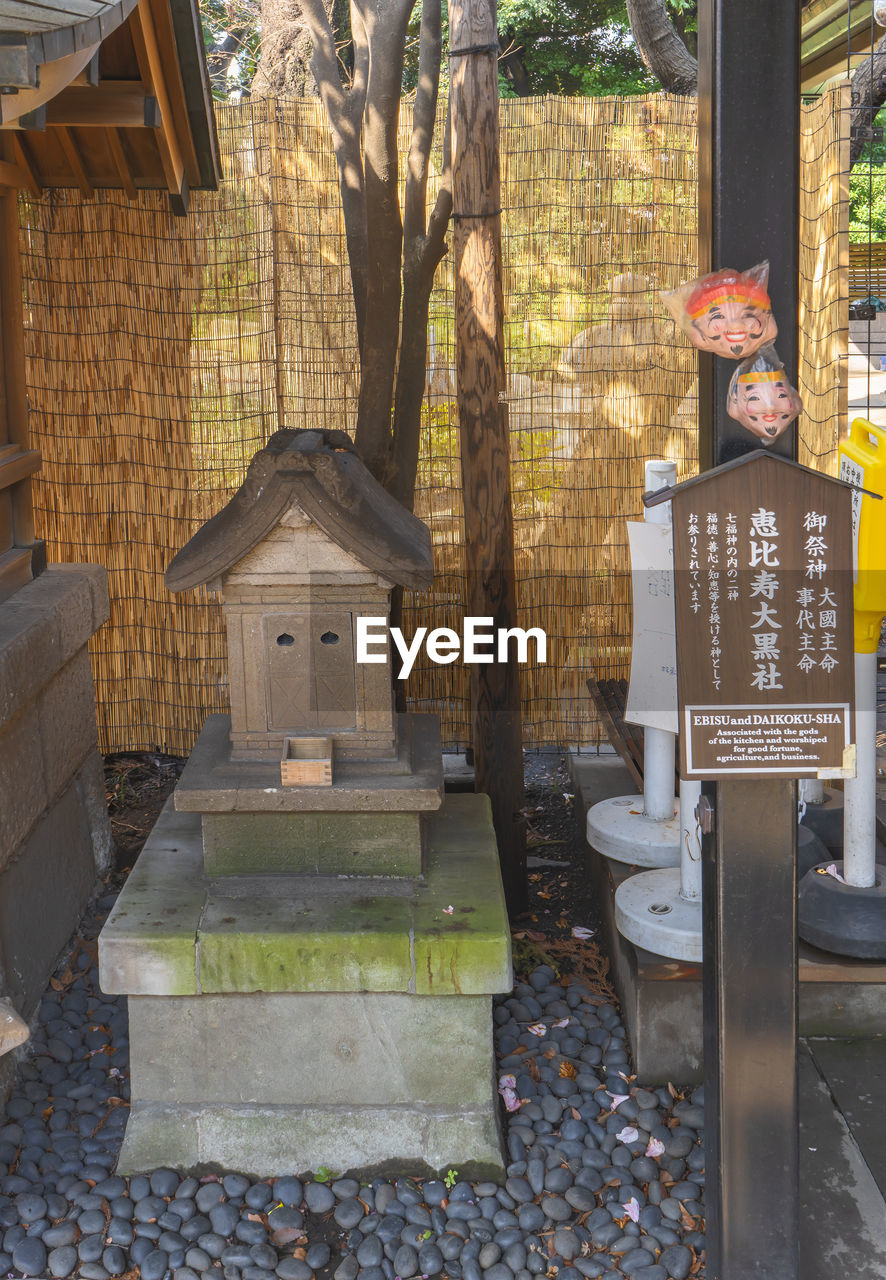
{"x": 282, "y": 1021}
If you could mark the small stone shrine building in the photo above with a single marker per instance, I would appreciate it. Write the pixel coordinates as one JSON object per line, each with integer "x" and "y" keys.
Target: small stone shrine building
{"x": 305, "y": 928}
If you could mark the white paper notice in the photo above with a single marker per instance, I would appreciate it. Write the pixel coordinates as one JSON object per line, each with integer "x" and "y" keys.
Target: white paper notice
{"x": 652, "y": 692}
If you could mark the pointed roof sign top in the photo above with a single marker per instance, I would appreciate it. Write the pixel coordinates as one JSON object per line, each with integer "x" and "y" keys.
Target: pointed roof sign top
{"x": 322, "y": 472}
{"x": 654, "y": 496}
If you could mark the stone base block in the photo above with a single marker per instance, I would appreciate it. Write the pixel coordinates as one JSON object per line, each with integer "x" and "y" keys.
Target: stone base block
{"x": 272, "y": 1141}
{"x": 381, "y": 844}
{"x": 287, "y": 1082}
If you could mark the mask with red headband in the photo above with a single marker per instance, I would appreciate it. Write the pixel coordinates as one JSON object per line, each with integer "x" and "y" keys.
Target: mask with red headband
{"x": 727, "y": 312}
{"x": 761, "y": 398}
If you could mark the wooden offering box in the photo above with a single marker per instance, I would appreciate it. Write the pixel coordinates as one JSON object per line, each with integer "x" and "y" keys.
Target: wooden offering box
{"x": 307, "y": 762}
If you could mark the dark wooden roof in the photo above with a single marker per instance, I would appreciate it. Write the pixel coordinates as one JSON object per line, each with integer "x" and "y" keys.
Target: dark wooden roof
{"x": 32, "y": 33}
{"x": 653, "y": 497}
{"x": 137, "y": 116}
{"x": 322, "y": 472}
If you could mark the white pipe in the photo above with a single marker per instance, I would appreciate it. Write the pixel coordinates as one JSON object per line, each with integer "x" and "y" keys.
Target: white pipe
{"x": 659, "y": 761}
{"x": 659, "y": 746}
{"x": 812, "y": 790}
{"x": 860, "y": 795}
{"x": 690, "y": 842}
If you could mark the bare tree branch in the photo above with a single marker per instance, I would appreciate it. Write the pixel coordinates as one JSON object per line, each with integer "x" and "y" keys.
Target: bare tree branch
{"x": 423, "y": 119}
{"x": 386, "y": 23}
{"x": 340, "y": 109}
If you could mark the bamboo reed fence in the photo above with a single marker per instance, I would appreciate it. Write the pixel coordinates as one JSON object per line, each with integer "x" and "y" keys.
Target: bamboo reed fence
{"x": 162, "y": 352}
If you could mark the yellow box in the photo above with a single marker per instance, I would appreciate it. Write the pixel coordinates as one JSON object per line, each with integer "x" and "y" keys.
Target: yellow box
{"x": 863, "y": 462}
{"x": 307, "y": 762}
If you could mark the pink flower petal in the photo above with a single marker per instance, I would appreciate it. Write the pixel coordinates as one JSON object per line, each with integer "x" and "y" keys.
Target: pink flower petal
{"x": 507, "y": 1082}
{"x": 632, "y": 1209}
{"x": 447, "y": 911}
{"x": 564, "y": 1022}
{"x": 537, "y": 1029}
{"x": 832, "y": 871}
{"x": 512, "y": 1102}
{"x": 628, "y": 1134}
{"x": 655, "y": 1148}
{"x": 583, "y": 934}
{"x": 617, "y": 1099}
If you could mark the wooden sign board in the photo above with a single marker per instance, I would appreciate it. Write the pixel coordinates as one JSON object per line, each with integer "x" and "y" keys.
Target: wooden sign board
{"x": 763, "y": 595}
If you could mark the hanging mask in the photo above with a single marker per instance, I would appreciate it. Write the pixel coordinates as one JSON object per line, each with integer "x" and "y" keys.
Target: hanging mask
{"x": 727, "y": 312}
{"x": 761, "y": 398}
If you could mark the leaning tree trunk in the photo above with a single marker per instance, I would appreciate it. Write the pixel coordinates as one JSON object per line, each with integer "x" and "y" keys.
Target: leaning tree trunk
{"x": 868, "y": 96}
{"x": 661, "y": 48}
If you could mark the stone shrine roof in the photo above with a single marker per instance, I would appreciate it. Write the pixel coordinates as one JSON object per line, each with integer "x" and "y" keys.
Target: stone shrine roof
{"x": 322, "y": 472}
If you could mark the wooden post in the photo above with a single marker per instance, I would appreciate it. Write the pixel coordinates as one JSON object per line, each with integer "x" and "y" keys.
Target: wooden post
{"x": 485, "y": 454}
{"x": 20, "y": 556}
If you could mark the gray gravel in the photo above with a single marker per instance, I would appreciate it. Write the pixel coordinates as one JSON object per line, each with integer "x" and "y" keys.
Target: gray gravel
{"x": 606, "y": 1178}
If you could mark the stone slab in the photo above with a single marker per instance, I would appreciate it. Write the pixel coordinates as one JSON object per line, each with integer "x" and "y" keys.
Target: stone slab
{"x": 367, "y": 844}
{"x": 662, "y": 998}
{"x": 305, "y": 1049}
{"x": 855, "y": 1071}
{"x": 270, "y": 1142}
{"x": 842, "y": 1212}
{"x": 214, "y": 783}
{"x": 175, "y": 931}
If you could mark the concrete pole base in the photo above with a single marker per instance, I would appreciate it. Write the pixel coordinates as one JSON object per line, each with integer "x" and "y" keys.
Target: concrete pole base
{"x": 651, "y": 913}
{"x": 619, "y": 829}
{"x": 844, "y": 918}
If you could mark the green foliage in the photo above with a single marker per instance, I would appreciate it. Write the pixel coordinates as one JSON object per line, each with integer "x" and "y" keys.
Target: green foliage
{"x": 231, "y": 27}
{"x": 867, "y": 191}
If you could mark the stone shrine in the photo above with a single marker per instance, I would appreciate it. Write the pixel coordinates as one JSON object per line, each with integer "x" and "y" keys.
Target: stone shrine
{"x": 311, "y": 938}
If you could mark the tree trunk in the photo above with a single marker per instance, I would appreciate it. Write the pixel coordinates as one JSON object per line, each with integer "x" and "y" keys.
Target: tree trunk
{"x": 283, "y": 69}
{"x": 661, "y": 49}
{"x": 868, "y": 96}
{"x": 485, "y": 452}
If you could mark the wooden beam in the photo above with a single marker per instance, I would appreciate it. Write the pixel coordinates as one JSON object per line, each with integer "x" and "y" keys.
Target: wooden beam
{"x": 482, "y": 411}
{"x": 121, "y": 163}
{"x": 72, "y": 155}
{"x": 16, "y": 464}
{"x": 144, "y": 39}
{"x": 26, "y": 164}
{"x": 119, "y": 104}
{"x": 15, "y": 571}
{"x": 11, "y": 175}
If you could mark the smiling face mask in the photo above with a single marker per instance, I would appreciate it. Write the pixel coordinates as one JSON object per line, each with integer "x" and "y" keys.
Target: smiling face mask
{"x": 761, "y": 398}
{"x": 727, "y": 313}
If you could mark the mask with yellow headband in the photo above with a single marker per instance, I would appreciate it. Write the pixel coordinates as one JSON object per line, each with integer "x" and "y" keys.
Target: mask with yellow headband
{"x": 761, "y": 398}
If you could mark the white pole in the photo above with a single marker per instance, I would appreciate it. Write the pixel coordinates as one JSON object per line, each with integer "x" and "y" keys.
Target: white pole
{"x": 860, "y": 794}
{"x": 659, "y": 755}
{"x": 690, "y": 842}
{"x": 812, "y": 790}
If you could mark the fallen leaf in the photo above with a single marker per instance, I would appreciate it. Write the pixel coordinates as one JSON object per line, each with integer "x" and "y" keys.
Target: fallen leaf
{"x": 534, "y": 1073}
{"x": 576, "y": 1114}
{"x": 567, "y": 1071}
{"x": 686, "y": 1217}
